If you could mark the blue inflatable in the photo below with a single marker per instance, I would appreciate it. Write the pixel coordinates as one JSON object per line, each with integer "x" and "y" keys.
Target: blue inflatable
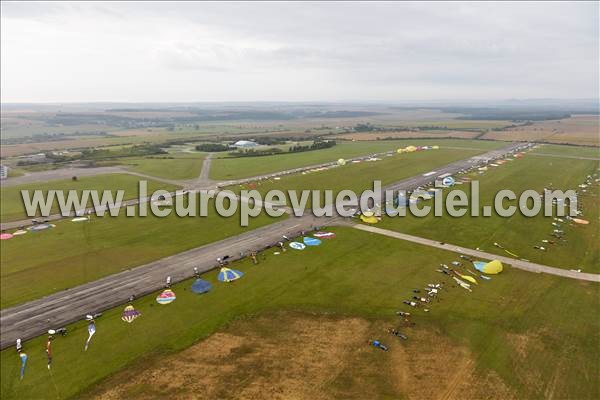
{"x": 309, "y": 241}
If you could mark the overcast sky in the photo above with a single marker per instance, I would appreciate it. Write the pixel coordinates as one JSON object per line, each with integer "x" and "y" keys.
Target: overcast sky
{"x": 145, "y": 52}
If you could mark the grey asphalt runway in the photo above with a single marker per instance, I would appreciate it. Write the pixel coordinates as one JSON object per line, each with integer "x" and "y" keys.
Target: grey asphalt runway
{"x": 34, "y": 318}
{"x": 56, "y": 174}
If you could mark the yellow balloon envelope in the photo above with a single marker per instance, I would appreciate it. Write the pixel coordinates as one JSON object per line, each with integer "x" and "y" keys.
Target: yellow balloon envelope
{"x": 369, "y": 220}
{"x": 493, "y": 267}
{"x": 341, "y": 161}
{"x": 469, "y": 278}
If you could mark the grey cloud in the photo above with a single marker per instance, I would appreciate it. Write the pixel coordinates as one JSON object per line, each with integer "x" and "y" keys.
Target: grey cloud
{"x": 335, "y": 49}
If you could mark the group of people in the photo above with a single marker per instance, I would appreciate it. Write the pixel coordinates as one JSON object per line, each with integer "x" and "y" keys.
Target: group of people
{"x": 431, "y": 291}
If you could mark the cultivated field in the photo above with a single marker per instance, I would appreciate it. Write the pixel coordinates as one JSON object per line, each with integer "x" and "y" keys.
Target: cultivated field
{"x": 580, "y": 129}
{"x": 520, "y": 335}
{"x": 407, "y": 135}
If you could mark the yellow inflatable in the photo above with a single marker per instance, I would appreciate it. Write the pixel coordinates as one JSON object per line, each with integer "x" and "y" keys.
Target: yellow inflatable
{"x": 369, "y": 220}
{"x": 493, "y": 267}
{"x": 469, "y": 278}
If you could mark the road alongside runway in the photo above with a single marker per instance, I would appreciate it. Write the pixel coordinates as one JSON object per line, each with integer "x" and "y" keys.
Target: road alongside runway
{"x": 520, "y": 264}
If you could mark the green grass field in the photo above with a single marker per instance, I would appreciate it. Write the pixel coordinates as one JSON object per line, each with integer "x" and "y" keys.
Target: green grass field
{"x": 176, "y": 166}
{"x": 359, "y": 177}
{"x": 355, "y": 274}
{"x": 577, "y": 151}
{"x": 518, "y": 233}
{"x": 41, "y": 263}
{"x": 12, "y": 204}
{"x": 243, "y": 167}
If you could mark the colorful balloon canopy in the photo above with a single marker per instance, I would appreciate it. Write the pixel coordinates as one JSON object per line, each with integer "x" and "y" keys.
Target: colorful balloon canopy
{"x": 201, "y": 286}
{"x": 19, "y": 232}
{"x": 40, "y": 227}
{"x": 309, "y": 241}
{"x": 448, "y": 181}
{"x": 324, "y": 235}
{"x": 23, "y": 357}
{"x": 166, "y": 297}
{"x": 228, "y": 275}
{"x": 492, "y": 268}
{"x": 6, "y": 236}
{"x": 581, "y": 221}
{"x": 469, "y": 278}
{"x": 369, "y": 220}
{"x": 129, "y": 314}
{"x": 297, "y": 245}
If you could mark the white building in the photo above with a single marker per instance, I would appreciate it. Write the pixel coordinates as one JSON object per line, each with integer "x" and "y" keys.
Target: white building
{"x": 245, "y": 144}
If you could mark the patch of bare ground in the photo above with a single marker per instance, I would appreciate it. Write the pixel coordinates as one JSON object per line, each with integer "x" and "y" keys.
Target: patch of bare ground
{"x": 407, "y": 135}
{"x": 579, "y": 129}
{"x": 300, "y": 356}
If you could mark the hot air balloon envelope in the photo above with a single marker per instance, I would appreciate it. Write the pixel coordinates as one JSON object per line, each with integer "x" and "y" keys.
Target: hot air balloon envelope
{"x": 201, "y": 286}
{"x": 229, "y": 275}
{"x": 166, "y": 297}
{"x": 297, "y": 246}
{"x": 492, "y": 268}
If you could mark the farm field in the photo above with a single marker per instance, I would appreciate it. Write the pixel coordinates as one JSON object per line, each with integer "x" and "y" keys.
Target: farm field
{"x": 13, "y": 208}
{"x": 506, "y": 337}
{"x": 456, "y": 123}
{"x": 172, "y": 166}
{"x": 579, "y": 129}
{"x": 519, "y": 234}
{"x": 243, "y": 167}
{"x": 420, "y": 134}
{"x": 41, "y": 263}
{"x": 93, "y": 141}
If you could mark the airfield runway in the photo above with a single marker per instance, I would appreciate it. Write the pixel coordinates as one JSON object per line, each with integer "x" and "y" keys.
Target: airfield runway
{"x": 36, "y": 317}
